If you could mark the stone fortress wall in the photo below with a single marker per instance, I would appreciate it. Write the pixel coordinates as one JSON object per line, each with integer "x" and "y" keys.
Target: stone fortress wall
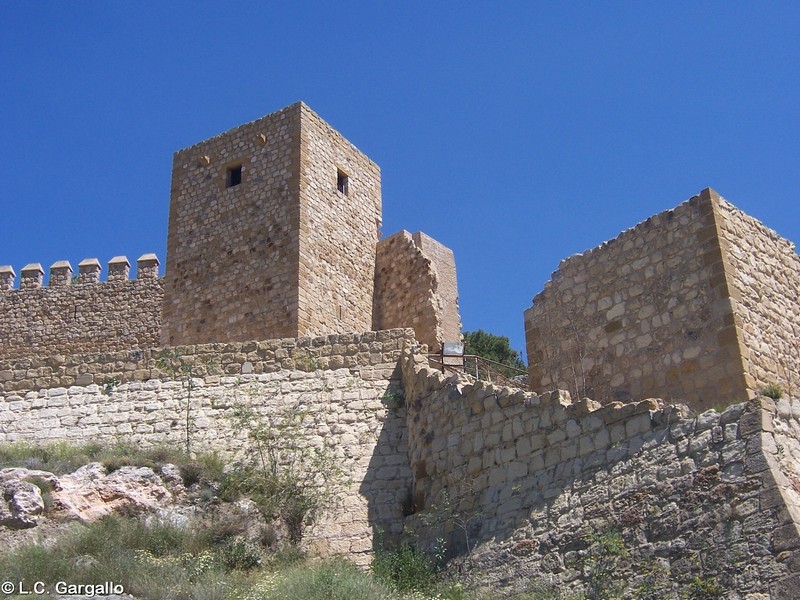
{"x": 232, "y": 250}
{"x": 273, "y": 233}
{"x": 80, "y": 315}
{"x": 415, "y": 286}
{"x": 528, "y": 485}
{"x": 339, "y": 231}
{"x": 281, "y": 252}
{"x": 522, "y": 482}
{"x": 344, "y": 384}
{"x": 763, "y": 273}
{"x": 693, "y": 305}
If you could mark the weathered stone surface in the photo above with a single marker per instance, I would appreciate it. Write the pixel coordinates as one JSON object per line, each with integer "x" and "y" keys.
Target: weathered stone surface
{"x": 345, "y": 413}
{"x": 21, "y": 502}
{"x": 688, "y": 495}
{"x": 696, "y": 304}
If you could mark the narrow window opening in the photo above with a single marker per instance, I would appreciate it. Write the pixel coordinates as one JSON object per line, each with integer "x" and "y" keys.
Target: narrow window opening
{"x": 234, "y": 176}
{"x": 342, "y": 182}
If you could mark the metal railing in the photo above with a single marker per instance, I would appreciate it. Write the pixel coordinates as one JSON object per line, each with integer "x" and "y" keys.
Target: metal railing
{"x": 480, "y": 368}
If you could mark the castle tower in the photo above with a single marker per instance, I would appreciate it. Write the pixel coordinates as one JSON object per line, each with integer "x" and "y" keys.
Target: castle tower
{"x": 272, "y": 233}
{"x": 697, "y": 304}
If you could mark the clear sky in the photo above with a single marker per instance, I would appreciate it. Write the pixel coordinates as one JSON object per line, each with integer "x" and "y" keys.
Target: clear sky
{"x": 517, "y": 133}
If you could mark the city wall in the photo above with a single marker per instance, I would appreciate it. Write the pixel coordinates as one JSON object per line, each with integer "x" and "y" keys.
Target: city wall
{"x": 647, "y": 314}
{"x": 84, "y": 315}
{"x": 345, "y": 385}
{"x": 763, "y": 270}
{"x": 520, "y": 486}
{"x": 526, "y": 487}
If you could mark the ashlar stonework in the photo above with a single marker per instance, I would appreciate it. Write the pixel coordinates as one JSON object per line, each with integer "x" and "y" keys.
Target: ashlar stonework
{"x": 273, "y": 233}
{"x": 697, "y": 304}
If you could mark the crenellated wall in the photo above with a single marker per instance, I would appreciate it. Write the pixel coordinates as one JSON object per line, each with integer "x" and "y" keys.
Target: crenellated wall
{"x": 524, "y": 488}
{"x": 273, "y": 233}
{"x": 80, "y": 313}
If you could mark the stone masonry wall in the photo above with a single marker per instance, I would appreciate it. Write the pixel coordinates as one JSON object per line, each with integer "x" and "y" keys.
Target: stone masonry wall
{"x": 527, "y": 489}
{"x": 282, "y": 253}
{"x": 338, "y": 231}
{"x": 646, "y": 314}
{"x": 444, "y": 264}
{"x": 85, "y": 315}
{"x": 233, "y": 252}
{"x": 406, "y": 290}
{"x": 764, "y": 274}
{"x": 344, "y": 384}
{"x": 353, "y": 351}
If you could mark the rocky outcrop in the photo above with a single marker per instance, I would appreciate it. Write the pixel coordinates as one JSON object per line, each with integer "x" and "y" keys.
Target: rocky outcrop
{"x": 87, "y": 494}
{"x": 22, "y": 503}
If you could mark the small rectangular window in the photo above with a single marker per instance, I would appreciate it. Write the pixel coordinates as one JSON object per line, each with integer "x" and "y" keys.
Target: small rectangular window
{"x": 234, "y": 176}
{"x": 342, "y": 182}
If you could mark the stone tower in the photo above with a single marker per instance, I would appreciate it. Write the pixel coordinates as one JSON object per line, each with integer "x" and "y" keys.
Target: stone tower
{"x": 272, "y": 233}
{"x": 697, "y": 304}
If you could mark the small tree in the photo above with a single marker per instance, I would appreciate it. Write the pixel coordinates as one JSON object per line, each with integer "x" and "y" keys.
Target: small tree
{"x": 172, "y": 362}
{"x": 285, "y": 475}
{"x": 496, "y": 348}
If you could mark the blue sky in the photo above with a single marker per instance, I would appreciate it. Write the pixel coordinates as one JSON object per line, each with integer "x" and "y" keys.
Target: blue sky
{"x": 516, "y": 133}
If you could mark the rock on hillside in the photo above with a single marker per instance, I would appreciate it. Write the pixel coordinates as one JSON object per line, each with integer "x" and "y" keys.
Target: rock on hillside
{"x": 86, "y": 495}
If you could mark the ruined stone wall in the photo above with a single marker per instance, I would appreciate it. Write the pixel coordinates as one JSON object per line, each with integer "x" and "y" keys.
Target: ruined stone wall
{"x": 531, "y": 488}
{"x": 444, "y": 263}
{"x": 646, "y": 314}
{"x": 233, "y": 250}
{"x": 406, "y": 290}
{"x": 84, "y": 315}
{"x": 345, "y": 385}
{"x": 764, "y": 278}
{"x": 338, "y": 231}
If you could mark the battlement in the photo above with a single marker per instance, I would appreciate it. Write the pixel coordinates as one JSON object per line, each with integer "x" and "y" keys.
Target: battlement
{"x": 89, "y": 271}
{"x": 80, "y": 312}
{"x": 273, "y": 232}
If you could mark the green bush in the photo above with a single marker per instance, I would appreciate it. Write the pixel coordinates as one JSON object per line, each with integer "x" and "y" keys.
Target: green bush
{"x": 237, "y": 555}
{"x": 404, "y": 569}
{"x": 703, "y": 589}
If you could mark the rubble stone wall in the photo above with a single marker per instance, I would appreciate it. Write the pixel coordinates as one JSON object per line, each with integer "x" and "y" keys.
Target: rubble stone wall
{"x": 764, "y": 273}
{"x": 444, "y": 264}
{"x": 647, "y": 314}
{"x": 355, "y": 351}
{"x": 346, "y": 386}
{"x": 85, "y": 316}
{"x": 338, "y": 231}
{"x": 534, "y": 487}
{"x": 415, "y": 286}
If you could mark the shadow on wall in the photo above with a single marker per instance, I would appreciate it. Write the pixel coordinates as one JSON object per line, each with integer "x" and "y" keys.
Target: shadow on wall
{"x": 387, "y": 482}
{"x": 523, "y": 487}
